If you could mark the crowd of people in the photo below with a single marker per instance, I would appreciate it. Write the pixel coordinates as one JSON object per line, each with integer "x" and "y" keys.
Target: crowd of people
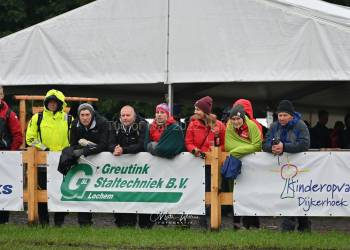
{"x": 87, "y": 132}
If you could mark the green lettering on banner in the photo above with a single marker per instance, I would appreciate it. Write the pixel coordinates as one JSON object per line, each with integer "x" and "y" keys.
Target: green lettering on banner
{"x": 81, "y": 183}
{"x": 108, "y": 196}
{"x": 171, "y": 183}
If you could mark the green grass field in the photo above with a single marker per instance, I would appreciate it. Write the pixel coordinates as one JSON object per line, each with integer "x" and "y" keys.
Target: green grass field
{"x": 24, "y": 237}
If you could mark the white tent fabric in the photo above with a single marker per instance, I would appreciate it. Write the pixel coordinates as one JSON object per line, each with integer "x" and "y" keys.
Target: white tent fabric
{"x": 105, "y": 42}
{"x": 127, "y": 41}
{"x": 258, "y": 40}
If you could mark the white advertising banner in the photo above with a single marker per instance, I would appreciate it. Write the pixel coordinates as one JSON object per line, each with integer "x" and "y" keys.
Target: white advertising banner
{"x": 139, "y": 183}
{"x": 11, "y": 181}
{"x": 304, "y": 184}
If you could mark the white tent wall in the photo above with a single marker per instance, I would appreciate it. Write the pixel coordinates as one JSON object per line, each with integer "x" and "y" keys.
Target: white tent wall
{"x": 263, "y": 50}
{"x": 256, "y": 40}
{"x": 105, "y": 42}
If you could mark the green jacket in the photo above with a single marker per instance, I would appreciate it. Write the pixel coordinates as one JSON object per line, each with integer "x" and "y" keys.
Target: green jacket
{"x": 54, "y": 127}
{"x": 238, "y": 146}
{"x": 171, "y": 142}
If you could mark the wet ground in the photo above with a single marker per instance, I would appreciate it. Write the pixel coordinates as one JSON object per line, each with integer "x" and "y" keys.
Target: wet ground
{"x": 321, "y": 224}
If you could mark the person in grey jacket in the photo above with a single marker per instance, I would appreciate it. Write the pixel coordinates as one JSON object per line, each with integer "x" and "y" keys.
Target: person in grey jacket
{"x": 288, "y": 134}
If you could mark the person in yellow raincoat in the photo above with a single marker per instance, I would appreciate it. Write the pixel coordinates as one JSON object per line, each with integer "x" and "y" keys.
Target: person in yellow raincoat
{"x": 49, "y": 130}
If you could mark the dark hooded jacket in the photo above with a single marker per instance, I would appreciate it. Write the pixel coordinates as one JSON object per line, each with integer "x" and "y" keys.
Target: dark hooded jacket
{"x": 294, "y": 135}
{"x": 96, "y": 133}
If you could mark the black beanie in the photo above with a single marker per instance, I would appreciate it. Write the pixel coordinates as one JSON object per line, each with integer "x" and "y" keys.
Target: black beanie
{"x": 286, "y": 106}
{"x": 237, "y": 110}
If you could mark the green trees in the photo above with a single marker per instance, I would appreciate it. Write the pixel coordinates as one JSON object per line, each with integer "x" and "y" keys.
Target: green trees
{"x": 19, "y": 14}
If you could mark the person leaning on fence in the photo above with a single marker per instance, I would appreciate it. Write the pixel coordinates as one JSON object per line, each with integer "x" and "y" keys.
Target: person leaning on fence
{"x": 242, "y": 137}
{"x": 248, "y": 109}
{"x": 165, "y": 137}
{"x": 11, "y": 137}
{"x": 88, "y": 136}
{"x": 127, "y": 137}
{"x": 289, "y": 134}
{"x": 202, "y": 132}
{"x": 49, "y": 130}
{"x": 227, "y": 185}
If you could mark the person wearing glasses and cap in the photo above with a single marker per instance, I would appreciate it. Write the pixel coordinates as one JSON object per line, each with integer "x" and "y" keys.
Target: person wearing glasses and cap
{"x": 48, "y": 130}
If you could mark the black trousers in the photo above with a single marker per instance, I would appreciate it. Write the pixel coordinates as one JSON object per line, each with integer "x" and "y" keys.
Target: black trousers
{"x": 289, "y": 224}
{"x": 42, "y": 207}
{"x": 44, "y": 217}
{"x": 125, "y": 220}
{"x": 85, "y": 219}
{"x": 130, "y": 220}
{"x": 4, "y": 217}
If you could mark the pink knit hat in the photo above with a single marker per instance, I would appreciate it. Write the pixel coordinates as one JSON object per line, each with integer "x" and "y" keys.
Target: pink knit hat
{"x": 163, "y": 107}
{"x": 205, "y": 104}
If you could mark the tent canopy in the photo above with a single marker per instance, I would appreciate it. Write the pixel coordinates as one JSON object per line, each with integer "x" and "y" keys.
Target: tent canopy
{"x": 264, "y": 50}
{"x": 107, "y": 41}
{"x": 255, "y": 40}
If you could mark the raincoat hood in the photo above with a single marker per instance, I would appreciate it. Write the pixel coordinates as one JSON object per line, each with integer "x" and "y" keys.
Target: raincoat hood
{"x": 54, "y": 94}
{"x": 247, "y": 105}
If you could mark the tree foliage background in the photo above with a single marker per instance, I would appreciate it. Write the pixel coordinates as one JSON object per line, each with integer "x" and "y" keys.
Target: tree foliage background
{"x": 19, "y": 14}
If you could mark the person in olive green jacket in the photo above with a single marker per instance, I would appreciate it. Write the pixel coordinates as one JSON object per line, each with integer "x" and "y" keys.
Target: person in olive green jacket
{"x": 50, "y": 135}
{"x": 242, "y": 137}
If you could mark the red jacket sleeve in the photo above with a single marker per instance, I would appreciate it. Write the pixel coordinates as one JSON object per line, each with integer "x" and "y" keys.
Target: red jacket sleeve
{"x": 222, "y": 136}
{"x": 189, "y": 139}
{"x": 15, "y": 130}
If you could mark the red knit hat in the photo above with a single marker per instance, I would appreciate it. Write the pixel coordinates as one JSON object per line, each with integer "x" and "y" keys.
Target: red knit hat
{"x": 205, "y": 104}
{"x": 164, "y": 107}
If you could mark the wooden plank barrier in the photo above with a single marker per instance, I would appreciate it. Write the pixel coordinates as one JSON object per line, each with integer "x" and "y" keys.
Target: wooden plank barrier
{"x": 32, "y": 157}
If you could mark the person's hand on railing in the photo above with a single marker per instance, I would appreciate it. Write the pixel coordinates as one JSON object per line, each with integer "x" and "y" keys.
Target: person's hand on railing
{"x": 196, "y": 152}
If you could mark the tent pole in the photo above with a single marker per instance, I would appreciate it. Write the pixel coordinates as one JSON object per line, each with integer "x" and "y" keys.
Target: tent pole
{"x": 171, "y": 97}
{"x": 170, "y": 85}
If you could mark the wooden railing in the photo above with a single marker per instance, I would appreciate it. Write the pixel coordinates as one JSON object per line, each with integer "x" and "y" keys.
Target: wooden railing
{"x": 32, "y": 195}
{"x": 22, "y": 106}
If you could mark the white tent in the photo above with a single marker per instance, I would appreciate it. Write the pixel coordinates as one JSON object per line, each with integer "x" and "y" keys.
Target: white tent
{"x": 107, "y": 41}
{"x": 187, "y": 41}
{"x": 258, "y": 40}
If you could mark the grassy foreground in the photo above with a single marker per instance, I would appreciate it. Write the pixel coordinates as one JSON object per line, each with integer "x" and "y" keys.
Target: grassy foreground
{"x": 24, "y": 237}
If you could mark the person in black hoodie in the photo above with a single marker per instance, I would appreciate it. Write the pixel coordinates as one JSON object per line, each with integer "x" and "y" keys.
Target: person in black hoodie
{"x": 91, "y": 127}
{"x": 127, "y": 137}
{"x": 89, "y": 134}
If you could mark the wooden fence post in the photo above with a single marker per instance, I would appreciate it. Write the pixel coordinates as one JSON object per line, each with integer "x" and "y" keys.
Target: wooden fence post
{"x": 33, "y": 157}
{"x": 215, "y": 207}
{"x": 32, "y": 183}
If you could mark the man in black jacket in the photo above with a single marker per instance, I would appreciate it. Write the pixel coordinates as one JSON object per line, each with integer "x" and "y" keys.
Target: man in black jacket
{"x": 127, "y": 137}
{"x": 128, "y": 133}
{"x": 93, "y": 128}
{"x": 89, "y": 135}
